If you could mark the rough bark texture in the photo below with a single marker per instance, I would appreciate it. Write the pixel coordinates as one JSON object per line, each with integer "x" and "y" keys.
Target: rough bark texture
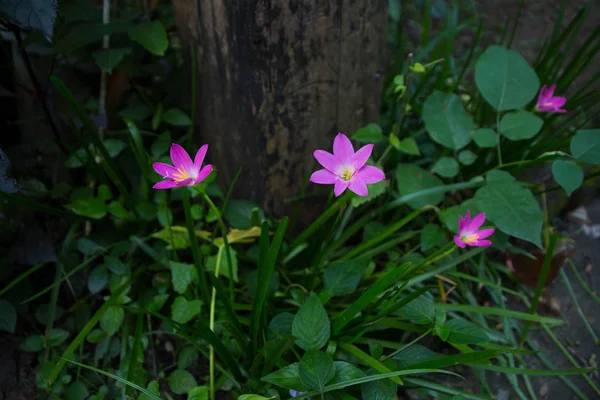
{"x": 278, "y": 79}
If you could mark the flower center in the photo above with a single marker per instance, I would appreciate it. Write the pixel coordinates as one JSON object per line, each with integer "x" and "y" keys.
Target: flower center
{"x": 470, "y": 238}
{"x": 347, "y": 173}
{"x": 182, "y": 175}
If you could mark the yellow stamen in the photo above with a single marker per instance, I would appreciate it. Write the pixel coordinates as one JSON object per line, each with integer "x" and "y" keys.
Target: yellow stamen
{"x": 471, "y": 238}
{"x": 347, "y": 173}
{"x": 181, "y": 176}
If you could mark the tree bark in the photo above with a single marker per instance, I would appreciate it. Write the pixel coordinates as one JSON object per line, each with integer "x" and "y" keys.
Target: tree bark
{"x": 277, "y": 79}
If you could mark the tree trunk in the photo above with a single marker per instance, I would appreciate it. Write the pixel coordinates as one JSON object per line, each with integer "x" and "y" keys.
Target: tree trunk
{"x": 277, "y": 79}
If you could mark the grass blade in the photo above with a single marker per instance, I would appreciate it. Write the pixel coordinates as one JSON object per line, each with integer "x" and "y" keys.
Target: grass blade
{"x": 499, "y": 312}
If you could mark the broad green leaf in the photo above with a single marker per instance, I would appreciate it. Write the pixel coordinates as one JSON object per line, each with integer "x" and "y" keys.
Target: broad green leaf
{"x": 162, "y": 144}
{"x": 282, "y": 323}
{"x": 585, "y": 145}
{"x": 431, "y": 236}
{"x": 316, "y": 369}
{"x": 446, "y": 167}
{"x": 412, "y": 179}
{"x": 520, "y": 125}
{"x": 114, "y": 146}
{"x": 98, "y": 279}
{"x": 498, "y": 175}
{"x": 180, "y": 381}
{"x": 56, "y": 337}
{"x": 485, "y": 137}
{"x": 182, "y": 275}
{"x": 343, "y": 277}
{"x": 152, "y": 388}
{"x": 138, "y": 112}
{"x": 187, "y": 356}
{"x": 409, "y": 146}
{"x": 182, "y": 310}
{"x": 465, "y": 332}
{"x": 112, "y": 319}
{"x": 176, "y": 117}
{"x": 467, "y": 157}
{"x": 77, "y": 391}
{"x": 375, "y": 190}
{"x": 115, "y": 265}
{"x": 88, "y": 246}
{"x": 91, "y": 207}
{"x": 311, "y": 325}
{"x": 504, "y": 79}
{"x": 446, "y": 120}
{"x": 84, "y": 34}
{"x": 513, "y": 209}
{"x": 239, "y": 212}
{"x": 158, "y": 302}
{"x": 345, "y": 371}
{"x": 199, "y": 393}
{"x": 568, "y": 175}
{"x": 414, "y": 354}
{"x": 368, "y": 134}
{"x": 152, "y": 36}
{"x": 107, "y": 59}
{"x": 287, "y": 377}
{"x": 76, "y": 159}
{"x": 32, "y": 343}
{"x": 449, "y": 216}
{"x": 116, "y": 209}
{"x": 95, "y": 336}
{"x": 381, "y": 389}
{"x": 419, "y": 311}
{"x": 38, "y": 15}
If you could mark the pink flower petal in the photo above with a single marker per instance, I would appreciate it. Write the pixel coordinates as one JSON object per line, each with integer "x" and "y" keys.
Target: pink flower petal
{"x": 327, "y": 160}
{"x": 475, "y": 223}
{"x": 180, "y": 158}
{"x": 370, "y": 174}
{"x": 481, "y": 243}
{"x": 204, "y": 173}
{"x": 166, "y": 184}
{"x": 359, "y": 159}
{"x": 485, "y": 233}
{"x": 323, "y": 177}
{"x": 163, "y": 169}
{"x": 199, "y": 159}
{"x": 358, "y": 186}
{"x": 340, "y": 186}
{"x": 459, "y": 242}
{"x": 461, "y": 224}
{"x": 558, "y": 101}
{"x": 543, "y": 92}
{"x": 342, "y": 148}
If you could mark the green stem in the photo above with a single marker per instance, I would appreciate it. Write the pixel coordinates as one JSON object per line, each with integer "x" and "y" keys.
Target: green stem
{"x": 427, "y": 332}
{"x": 499, "y": 139}
{"x": 211, "y": 326}
{"x": 197, "y": 256}
{"x": 581, "y": 282}
{"x": 576, "y": 303}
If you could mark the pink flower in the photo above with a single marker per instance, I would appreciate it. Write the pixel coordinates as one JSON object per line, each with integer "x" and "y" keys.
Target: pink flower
{"x": 469, "y": 233}
{"x": 547, "y": 102}
{"x": 184, "y": 172}
{"x": 346, "y": 169}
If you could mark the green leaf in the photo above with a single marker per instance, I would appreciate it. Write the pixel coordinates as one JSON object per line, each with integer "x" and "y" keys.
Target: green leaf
{"x": 568, "y": 175}
{"x": 187, "y": 356}
{"x": 32, "y": 343}
{"x": 56, "y": 337}
{"x": 158, "y": 302}
{"x": 504, "y": 79}
{"x": 520, "y": 125}
{"x": 382, "y": 389}
{"x": 467, "y": 157}
{"x": 95, "y": 336}
{"x": 115, "y": 265}
{"x": 316, "y": 369}
{"x": 182, "y": 275}
{"x": 239, "y": 212}
{"x": 446, "y": 167}
{"x": 182, "y": 310}
{"x": 38, "y": 15}
{"x": 152, "y": 36}
{"x": 114, "y": 147}
{"x": 343, "y": 277}
{"x": 84, "y": 34}
{"x": 498, "y": 175}
{"x": 449, "y": 216}
{"x": 211, "y": 263}
{"x": 411, "y": 179}
{"x": 585, "y": 145}
{"x": 77, "y": 391}
{"x": 198, "y": 393}
{"x": 345, "y": 371}
{"x": 116, "y": 209}
{"x": 513, "y": 209}
{"x": 375, "y": 190}
{"x": 368, "y": 134}
{"x": 431, "y": 236}
{"x": 176, "y": 117}
{"x": 419, "y": 311}
{"x": 465, "y": 332}
{"x": 414, "y": 354}
{"x": 181, "y": 381}
{"x": 76, "y": 159}
{"x": 282, "y": 323}
{"x": 446, "y": 120}
{"x": 311, "y": 325}
{"x": 287, "y": 377}
{"x": 91, "y": 207}
{"x": 151, "y": 388}
{"x": 98, "y": 279}
{"x": 138, "y": 112}
{"x": 107, "y": 59}
{"x": 112, "y": 319}
{"x": 162, "y": 144}
{"x": 485, "y": 137}
{"x": 253, "y": 397}
{"x": 409, "y": 146}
